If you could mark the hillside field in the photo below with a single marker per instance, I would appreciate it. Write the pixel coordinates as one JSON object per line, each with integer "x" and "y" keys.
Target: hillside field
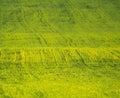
{"x": 59, "y": 49}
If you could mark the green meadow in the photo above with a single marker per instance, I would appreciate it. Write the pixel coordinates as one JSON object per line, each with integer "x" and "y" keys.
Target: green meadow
{"x": 59, "y": 49}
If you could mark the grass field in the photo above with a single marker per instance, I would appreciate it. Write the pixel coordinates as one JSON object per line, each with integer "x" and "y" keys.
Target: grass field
{"x": 59, "y": 49}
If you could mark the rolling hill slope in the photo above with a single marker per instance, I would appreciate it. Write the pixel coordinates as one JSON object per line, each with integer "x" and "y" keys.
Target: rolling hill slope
{"x": 60, "y": 16}
{"x": 59, "y": 49}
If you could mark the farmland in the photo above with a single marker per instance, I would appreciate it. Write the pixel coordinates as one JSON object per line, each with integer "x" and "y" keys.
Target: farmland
{"x": 59, "y": 49}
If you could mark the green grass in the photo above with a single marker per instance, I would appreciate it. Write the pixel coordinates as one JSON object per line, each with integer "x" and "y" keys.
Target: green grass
{"x": 59, "y": 49}
{"x": 60, "y": 72}
{"x": 60, "y": 16}
{"x": 81, "y": 40}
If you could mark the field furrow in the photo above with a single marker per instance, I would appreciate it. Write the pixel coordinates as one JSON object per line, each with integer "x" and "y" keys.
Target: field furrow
{"x": 59, "y": 48}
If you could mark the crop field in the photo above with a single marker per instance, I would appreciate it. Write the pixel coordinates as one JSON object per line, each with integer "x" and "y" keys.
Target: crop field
{"x": 59, "y": 49}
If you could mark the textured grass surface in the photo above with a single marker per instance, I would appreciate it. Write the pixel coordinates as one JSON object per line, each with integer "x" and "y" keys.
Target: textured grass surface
{"x": 60, "y": 72}
{"x": 81, "y": 40}
{"x": 59, "y": 49}
{"x": 59, "y": 16}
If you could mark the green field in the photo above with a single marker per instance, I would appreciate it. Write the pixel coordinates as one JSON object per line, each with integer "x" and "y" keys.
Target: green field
{"x": 59, "y": 49}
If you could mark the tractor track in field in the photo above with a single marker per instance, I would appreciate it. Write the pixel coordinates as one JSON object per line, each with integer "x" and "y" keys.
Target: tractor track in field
{"x": 116, "y": 53}
{"x": 81, "y": 58}
{"x": 61, "y": 55}
{"x": 59, "y": 49}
